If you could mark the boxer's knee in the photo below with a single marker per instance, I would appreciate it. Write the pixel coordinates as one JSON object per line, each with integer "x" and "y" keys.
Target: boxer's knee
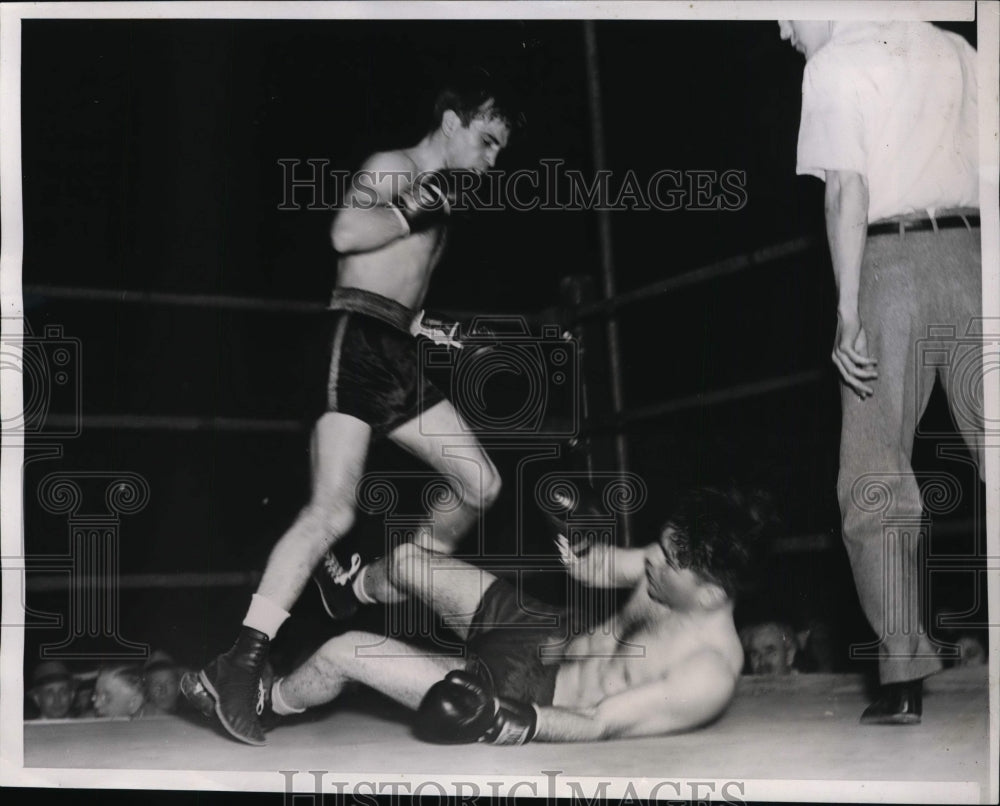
{"x": 334, "y": 658}
{"x": 407, "y": 565}
{"x": 487, "y": 491}
{"x": 492, "y": 487}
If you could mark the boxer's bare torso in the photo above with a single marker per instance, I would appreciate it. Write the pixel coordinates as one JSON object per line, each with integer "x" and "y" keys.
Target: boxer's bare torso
{"x": 401, "y": 269}
{"x": 642, "y": 644}
{"x": 379, "y": 251}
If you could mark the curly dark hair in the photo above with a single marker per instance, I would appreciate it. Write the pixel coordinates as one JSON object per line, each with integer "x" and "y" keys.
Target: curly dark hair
{"x": 469, "y": 89}
{"x": 718, "y": 534}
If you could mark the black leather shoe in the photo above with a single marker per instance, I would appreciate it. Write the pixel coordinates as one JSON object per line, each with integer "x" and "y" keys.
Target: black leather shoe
{"x": 334, "y": 583}
{"x": 233, "y": 681}
{"x": 197, "y": 695}
{"x": 897, "y": 704}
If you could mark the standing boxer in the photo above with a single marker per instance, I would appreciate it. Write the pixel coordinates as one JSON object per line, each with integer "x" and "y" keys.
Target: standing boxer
{"x": 890, "y": 122}
{"x": 389, "y": 236}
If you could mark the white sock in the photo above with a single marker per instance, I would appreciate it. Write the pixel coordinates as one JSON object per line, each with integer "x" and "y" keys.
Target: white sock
{"x": 264, "y": 615}
{"x": 358, "y": 586}
{"x": 278, "y": 704}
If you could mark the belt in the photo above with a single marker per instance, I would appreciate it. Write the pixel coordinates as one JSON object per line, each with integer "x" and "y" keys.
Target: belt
{"x": 357, "y": 300}
{"x": 904, "y": 225}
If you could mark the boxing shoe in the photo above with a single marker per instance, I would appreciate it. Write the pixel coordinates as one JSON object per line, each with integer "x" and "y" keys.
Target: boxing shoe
{"x": 335, "y": 585}
{"x": 897, "y": 704}
{"x": 197, "y": 695}
{"x": 233, "y": 681}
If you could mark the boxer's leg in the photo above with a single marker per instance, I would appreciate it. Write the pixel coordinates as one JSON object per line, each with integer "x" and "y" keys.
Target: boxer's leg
{"x": 403, "y": 672}
{"x": 444, "y": 441}
{"x": 450, "y": 587}
{"x": 340, "y": 443}
{"x": 339, "y": 449}
{"x": 439, "y": 437}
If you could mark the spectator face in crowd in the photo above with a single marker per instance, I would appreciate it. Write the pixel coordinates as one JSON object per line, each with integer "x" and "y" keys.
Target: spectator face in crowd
{"x": 162, "y": 680}
{"x": 52, "y": 690}
{"x": 118, "y": 692}
{"x": 769, "y": 648}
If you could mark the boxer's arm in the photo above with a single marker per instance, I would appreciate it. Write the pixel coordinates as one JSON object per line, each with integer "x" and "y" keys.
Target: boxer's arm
{"x": 846, "y": 209}
{"x": 368, "y": 219}
{"x": 693, "y": 693}
{"x": 602, "y": 565}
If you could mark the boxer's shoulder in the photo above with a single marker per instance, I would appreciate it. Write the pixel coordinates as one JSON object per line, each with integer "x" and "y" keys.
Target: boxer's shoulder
{"x": 396, "y": 160}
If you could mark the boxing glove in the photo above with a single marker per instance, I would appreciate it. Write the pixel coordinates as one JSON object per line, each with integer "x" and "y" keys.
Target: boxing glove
{"x": 425, "y": 203}
{"x": 582, "y": 507}
{"x": 457, "y": 710}
{"x": 462, "y": 709}
{"x": 514, "y": 723}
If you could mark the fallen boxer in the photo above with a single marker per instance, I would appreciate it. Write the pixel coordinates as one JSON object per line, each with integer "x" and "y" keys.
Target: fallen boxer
{"x": 667, "y": 661}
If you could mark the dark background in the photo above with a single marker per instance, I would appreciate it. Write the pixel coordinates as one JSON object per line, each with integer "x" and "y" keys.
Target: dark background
{"x": 150, "y": 160}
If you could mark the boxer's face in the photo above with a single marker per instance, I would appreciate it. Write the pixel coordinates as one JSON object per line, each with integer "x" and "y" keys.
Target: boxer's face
{"x": 475, "y": 147}
{"x": 666, "y": 581}
{"x": 806, "y": 36}
{"x": 54, "y": 699}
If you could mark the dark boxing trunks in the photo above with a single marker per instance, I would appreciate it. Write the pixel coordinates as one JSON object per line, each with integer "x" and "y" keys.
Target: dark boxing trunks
{"x": 506, "y": 636}
{"x": 374, "y": 371}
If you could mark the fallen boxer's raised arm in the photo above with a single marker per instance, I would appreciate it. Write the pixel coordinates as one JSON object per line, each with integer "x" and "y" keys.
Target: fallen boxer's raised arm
{"x": 602, "y": 565}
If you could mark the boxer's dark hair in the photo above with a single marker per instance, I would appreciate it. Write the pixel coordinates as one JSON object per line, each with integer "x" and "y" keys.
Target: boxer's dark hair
{"x": 466, "y": 93}
{"x": 718, "y": 534}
